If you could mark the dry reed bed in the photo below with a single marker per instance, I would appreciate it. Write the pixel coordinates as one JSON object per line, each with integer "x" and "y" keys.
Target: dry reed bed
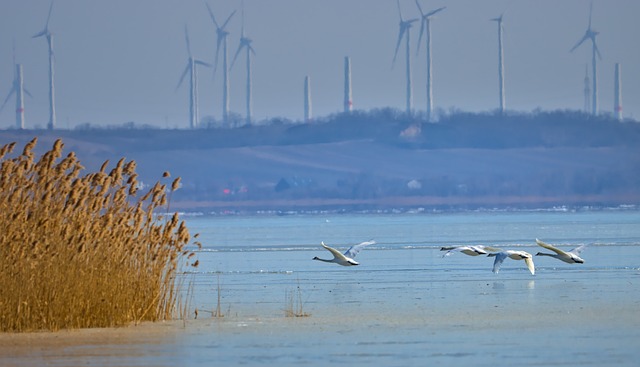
{"x": 80, "y": 251}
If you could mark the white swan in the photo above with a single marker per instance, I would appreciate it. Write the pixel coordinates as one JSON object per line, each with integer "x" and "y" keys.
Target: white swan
{"x": 515, "y": 255}
{"x": 570, "y": 257}
{"x": 469, "y": 250}
{"x": 345, "y": 259}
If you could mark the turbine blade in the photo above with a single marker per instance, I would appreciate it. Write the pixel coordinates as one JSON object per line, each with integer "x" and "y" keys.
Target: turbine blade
{"x": 184, "y": 73}
{"x": 586, "y": 36}
{"x": 423, "y": 22}
{"x": 11, "y": 92}
{"x": 236, "y": 55}
{"x": 40, "y": 34}
{"x": 211, "y": 15}
{"x": 46, "y": 27}
{"x": 203, "y": 63}
{"x": 228, "y": 19}
{"x": 436, "y": 11}
{"x": 27, "y": 92}
{"x": 420, "y": 8}
{"x": 400, "y": 11}
{"x": 242, "y": 15}
{"x": 215, "y": 61}
{"x": 186, "y": 37}
{"x": 395, "y": 55}
{"x": 590, "y": 14}
{"x": 595, "y": 46}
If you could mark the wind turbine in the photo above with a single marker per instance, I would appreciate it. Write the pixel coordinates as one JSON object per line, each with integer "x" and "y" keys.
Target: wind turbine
{"x": 405, "y": 26}
{"x": 500, "y": 63}
{"x": 425, "y": 24}
{"x": 222, "y": 39}
{"x": 52, "y": 106}
{"x": 191, "y": 69}
{"x": 590, "y": 34}
{"x": 18, "y": 89}
{"x": 245, "y": 42}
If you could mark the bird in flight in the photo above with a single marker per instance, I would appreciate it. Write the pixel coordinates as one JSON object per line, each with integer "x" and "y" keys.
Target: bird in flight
{"x": 571, "y": 257}
{"x": 469, "y": 250}
{"x": 515, "y": 255}
{"x": 345, "y": 259}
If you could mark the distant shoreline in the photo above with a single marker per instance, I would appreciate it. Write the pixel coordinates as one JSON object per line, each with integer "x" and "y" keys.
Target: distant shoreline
{"x": 412, "y": 204}
{"x": 367, "y": 162}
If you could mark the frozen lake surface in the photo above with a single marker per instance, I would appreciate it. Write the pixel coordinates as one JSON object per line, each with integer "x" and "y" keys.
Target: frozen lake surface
{"x": 403, "y": 305}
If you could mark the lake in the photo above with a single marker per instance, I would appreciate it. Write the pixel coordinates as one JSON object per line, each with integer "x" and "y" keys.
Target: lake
{"x": 405, "y": 304}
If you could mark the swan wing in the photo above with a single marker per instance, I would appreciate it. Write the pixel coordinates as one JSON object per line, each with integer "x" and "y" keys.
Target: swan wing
{"x": 449, "y": 250}
{"x": 576, "y": 251}
{"x": 490, "y": 249}
{"x": 500, "y": 256}
{"x": 336, "y": 254}
{"x": 355, "y": 249}
{"x": 549, "y": 247}
{"x": 529, "y": 262}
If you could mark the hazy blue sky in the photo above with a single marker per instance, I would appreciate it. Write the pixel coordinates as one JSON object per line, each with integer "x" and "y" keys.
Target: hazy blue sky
{"x": 120, "y": 60}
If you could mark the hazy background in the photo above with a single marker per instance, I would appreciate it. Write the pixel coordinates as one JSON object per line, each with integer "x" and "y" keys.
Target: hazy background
{"x": 120, "y": 60}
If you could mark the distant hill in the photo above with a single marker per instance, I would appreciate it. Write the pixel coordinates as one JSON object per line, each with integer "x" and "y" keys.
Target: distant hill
{"x": 378, "y": 159}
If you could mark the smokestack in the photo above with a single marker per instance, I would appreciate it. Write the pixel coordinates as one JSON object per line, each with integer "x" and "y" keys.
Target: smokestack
{"x": 19, "y": 88}
{"x": 617, "y": 102}
{"x": 307, "y": 99}
{"x": 348, "y": 102}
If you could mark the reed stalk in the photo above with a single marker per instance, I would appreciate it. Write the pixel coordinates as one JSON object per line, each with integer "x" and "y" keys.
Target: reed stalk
{"x": 84, "y": 250}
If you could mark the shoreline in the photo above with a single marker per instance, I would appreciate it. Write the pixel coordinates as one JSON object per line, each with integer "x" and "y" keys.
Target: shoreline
{"x": 413, "y": 204}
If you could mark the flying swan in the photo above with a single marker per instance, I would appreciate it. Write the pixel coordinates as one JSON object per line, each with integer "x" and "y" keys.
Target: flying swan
{"x": 469, "y": 250}
{"x": 515, "y": 255}
{"x": 345, "y": 259}
{"x": 570, "y": 257}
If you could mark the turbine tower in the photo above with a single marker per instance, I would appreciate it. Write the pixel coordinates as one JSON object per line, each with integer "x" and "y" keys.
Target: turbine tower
{"x": 500, "y": 64}
{"x": 246, "y": 43}
{"x": 307, "y": 99}
{"x": 405, "y": 26}
{"x": 590, "y": 34}
{"x": 617, "y": 100}
{"x": 18, "y": 89}
{"x": 52, "y": 106}
{"x": 425, "y": 24}
{"x": 191, "y": 69}
{"x": 222, "y": 39}
{"x": 348, "y": 101}
{"x": 587, "y": 90}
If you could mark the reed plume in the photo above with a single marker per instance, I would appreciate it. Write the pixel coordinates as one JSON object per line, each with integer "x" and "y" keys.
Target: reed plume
{"x": 79, "y": 251}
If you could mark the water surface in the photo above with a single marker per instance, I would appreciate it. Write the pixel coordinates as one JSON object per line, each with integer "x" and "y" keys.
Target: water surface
{"x": 403, "y": 305}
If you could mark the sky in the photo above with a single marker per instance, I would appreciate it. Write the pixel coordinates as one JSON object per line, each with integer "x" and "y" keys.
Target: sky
{"x": 118, "y": 61}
